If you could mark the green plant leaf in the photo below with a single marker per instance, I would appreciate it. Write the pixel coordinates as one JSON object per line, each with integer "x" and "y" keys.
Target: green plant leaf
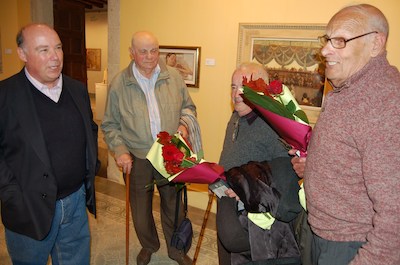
{"x": 291, "y": 107}
{"x": 181, "y": 146}
{"x": 187, "y": 163}
{"x": 200, "y": 156}
{"x": 267, "y": 103}
{"x": 302, "y": 115}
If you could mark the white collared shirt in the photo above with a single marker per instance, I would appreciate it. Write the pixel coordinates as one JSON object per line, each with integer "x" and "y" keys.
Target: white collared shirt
{"x": 148, "y": 85}
{"x": 52, "y": 92}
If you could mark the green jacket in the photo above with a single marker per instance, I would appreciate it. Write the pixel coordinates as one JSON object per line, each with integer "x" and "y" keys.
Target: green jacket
{"x": 126, "y": 123}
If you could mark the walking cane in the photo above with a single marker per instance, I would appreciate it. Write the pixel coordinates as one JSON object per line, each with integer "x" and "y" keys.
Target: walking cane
{"x": 127, "y": 219}
{"x": 203, "y": 227}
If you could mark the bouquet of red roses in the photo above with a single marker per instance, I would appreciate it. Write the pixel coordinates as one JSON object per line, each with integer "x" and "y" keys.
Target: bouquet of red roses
{"x": 173, "y": 158}
{"x": 277, "y": 105}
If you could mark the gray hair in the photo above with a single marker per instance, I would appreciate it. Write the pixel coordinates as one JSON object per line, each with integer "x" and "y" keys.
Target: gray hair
{"x": 20, "y": 37}
{"x": 256, "y": 70}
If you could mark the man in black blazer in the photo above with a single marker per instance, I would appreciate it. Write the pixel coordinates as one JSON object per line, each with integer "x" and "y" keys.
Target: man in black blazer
{"x": 48, "y": 156}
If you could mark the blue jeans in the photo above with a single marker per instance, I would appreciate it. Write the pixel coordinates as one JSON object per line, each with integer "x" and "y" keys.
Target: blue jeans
{"x": 68, "y": 241}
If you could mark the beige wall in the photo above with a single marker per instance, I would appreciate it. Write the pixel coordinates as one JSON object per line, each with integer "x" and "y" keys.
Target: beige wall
{"x": 213, "y": 25}
{"x": 96, "y": 38}
{"x": 13, "y": 14}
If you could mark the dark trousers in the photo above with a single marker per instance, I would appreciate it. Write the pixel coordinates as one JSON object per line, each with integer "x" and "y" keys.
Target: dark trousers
{"x": 142, "y": 180}
{"x": 325, "y": 252}
{"x": 224, "y": 256}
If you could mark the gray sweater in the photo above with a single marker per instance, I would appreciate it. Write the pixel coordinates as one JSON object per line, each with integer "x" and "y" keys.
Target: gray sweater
{"x": 352, "y": 175}
{"x": 254, "y": 141}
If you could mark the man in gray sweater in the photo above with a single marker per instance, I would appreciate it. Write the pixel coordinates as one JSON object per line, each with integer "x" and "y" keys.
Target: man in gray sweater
{"x": 248, "y": 137}
{"x": 352, "y": 176}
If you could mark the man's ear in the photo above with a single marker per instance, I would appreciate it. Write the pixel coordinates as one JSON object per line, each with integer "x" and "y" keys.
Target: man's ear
{"x": 130, "y": 49}
{"x": 21, "y": 54}
{"x": 378, "y": 44}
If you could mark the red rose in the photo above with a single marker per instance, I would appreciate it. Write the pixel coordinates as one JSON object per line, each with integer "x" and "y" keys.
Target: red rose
{"x": 258, "y": 85}
{"x": 275, "y": 87}
{"x": 164, "y": 138}
{"x": 172, "y": 168}
{"x": 261, "y": 86}
{"x": 175, "y": 152}
{"x": 172, "y": 153}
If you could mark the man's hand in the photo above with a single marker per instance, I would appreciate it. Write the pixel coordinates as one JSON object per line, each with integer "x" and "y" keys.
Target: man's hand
{"x": 230, "y": 193}
{"x": 183, "y": 131}
{"x": 124, "y": 161}
{"x": 299, "y": 163}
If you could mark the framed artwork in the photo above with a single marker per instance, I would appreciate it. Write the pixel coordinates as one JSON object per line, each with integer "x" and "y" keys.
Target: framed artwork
{"x": 93, "y": 59}
{"x": 185, "y": 59}
{"x": 290, "y": 53}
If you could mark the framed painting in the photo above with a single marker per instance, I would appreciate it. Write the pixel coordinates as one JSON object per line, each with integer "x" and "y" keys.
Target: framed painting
{"x": 93, "y": 59}
{"x": 185, "y": 59}
{"x": 290, "y": 53}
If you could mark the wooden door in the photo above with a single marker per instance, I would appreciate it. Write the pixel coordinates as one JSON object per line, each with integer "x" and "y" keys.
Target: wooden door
{"x": 69, "y": 22}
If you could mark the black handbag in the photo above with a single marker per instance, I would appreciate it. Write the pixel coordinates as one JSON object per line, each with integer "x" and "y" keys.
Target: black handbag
{"x": 183, "y": 234}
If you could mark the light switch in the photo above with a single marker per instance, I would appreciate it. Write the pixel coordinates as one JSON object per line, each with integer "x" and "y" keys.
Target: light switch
{"x": 7, "y": 51}
{"x": 210, "y": 61}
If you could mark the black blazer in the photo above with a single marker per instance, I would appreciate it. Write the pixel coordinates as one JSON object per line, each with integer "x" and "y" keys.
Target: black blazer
{"x": 28, "y": 187}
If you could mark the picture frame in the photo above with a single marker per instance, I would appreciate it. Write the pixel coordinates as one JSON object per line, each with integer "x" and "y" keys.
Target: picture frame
{"x": 186, "y": 59}
{"x": 93, "y": 59}
{"x": 292, "y": 54}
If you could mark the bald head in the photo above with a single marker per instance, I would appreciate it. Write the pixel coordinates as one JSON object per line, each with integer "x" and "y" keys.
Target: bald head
{"x": 145, "y": 52}
{"x": 33, "y": 29}
{"x": 251, "y": 69}
{"x": 143, "y": 37}
{"x": 361, "y": 18}
{"x": 248, "y": 70}
{"x": 363, "y": 31}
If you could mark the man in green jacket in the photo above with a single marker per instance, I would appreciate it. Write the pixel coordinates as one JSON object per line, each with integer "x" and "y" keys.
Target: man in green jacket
{"x": 145, "y": 98}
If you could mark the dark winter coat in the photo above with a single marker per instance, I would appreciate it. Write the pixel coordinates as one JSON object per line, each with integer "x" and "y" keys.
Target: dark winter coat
{"x": 262, "y": 187}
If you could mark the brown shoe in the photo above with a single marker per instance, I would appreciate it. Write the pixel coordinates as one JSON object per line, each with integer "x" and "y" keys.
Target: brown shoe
{"x": 184, "y": 260}
{"x": 144, "y": 257}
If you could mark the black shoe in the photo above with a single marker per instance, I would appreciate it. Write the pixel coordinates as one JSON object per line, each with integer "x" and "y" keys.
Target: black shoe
{"x": 144, "y": 257}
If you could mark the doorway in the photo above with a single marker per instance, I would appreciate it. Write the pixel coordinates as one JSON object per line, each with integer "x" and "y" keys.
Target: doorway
{"x": 70, "y": 21}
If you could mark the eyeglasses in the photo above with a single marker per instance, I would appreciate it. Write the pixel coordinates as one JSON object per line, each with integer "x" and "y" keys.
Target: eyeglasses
{"x": 340, "y": 42}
